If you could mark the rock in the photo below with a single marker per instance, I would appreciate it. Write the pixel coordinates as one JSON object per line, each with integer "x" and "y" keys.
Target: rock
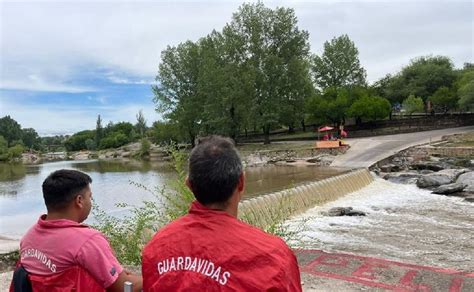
{"x": 449, "y": 188}
{"x": 82, "y": 155}
{"x": 469, "y": 198}
{"x": 453, "y": 174}
{"x": 338, "y": 211}
{"x": 426, "y": 171}
{"x": 427, "y": 165}
{"x": 433, "y": 180}
{"x": 402, "y": 177}
{"x": 354, "y": 213}
{"x": 390, "y": 168}
{"x": 344, "y": 211}
{"x": 467, "y": 178}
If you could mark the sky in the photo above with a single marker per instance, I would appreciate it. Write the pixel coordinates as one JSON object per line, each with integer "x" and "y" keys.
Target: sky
{"x": 62, "y": 63}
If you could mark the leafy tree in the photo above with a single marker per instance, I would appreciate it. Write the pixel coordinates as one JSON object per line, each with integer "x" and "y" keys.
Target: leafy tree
{"x": 444, "y": 99}
{"x": 10, "y": 129}
{"x": 90, "y": 144}
{"x": 422, "y": 77}
{"x": 413, "y": 104}
{"x": 30, "y": 138}
{"x": 78, "y": 141}
{"x": 140, "y": 126}
{"x": 339, "y": 65}
{"x": 165, "y": 133}
{"x": 370, "y": 108}
{"x": 466, "y": 89}
{"x": 114, "y": 140}
{"x": 177, "y": 95}
{"x": 276, "y": 53}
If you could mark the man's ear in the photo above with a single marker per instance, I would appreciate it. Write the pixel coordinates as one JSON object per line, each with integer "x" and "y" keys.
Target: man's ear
{"x": 188, "y": 183}
{"x": 79, "y": 201}
{"x": 241, "y": 184}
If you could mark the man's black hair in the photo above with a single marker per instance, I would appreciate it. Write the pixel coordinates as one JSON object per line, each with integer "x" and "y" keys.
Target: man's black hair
{"x": 214, "y": 170}
{"x": 62, "y": 186}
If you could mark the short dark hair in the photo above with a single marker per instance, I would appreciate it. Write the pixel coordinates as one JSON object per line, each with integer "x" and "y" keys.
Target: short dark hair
{"x": 62, "y": 186}
{"x": 214, "y": 169}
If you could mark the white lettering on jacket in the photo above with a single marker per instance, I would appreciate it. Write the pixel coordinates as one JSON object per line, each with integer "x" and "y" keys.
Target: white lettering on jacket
{"x": 198, "y": 265}
{"x": 40, "y": 256}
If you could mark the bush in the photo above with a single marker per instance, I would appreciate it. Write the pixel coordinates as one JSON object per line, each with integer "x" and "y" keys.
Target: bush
{"x": 15, "y": 151}
{"x": 144, "y": 148}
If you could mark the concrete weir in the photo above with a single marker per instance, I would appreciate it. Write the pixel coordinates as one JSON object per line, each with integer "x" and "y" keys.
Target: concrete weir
{"x": 268, "y": 209}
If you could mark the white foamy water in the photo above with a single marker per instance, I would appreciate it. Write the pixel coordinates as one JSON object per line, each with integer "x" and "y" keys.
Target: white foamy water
{"x": 403, "y": 223}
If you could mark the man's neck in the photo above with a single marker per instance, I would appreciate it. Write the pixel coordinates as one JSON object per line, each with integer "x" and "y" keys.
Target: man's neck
{"x": 230, "y": 209}
{"x": 61, "y": 215}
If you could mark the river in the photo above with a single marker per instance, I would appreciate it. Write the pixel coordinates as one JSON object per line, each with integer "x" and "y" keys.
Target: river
{"x": 21, "y": 200}
{"x": 403, "y": 223}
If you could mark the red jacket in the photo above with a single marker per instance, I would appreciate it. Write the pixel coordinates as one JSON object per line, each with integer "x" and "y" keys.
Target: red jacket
{"x": 213, "y": 251}
{"x": 73, "y": 279}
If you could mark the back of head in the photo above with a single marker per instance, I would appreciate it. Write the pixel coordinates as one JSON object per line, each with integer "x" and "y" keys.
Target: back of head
{"x": 214, "y": 170}
{"x": 62, "y": 186}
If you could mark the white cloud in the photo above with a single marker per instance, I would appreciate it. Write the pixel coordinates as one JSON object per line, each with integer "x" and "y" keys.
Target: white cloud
{"x": 62, "y": 40}
{"x": 36, "y": 83}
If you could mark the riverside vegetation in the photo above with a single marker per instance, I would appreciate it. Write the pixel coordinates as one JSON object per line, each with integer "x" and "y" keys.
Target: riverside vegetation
{"x": 128, "y": 235}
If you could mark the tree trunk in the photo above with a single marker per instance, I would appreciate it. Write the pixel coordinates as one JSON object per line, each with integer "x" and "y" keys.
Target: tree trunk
{"x": 192, "y": 138}
{"x": 266, "y": 134}
{"x": 291, "y": 129}
{"x": 303, "y": 125}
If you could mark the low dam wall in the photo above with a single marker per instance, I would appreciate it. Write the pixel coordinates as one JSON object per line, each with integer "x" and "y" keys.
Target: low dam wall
{"x": 263, "y": 211}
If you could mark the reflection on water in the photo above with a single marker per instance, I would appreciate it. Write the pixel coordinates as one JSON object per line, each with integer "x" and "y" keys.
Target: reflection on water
{"x": 21, "y": 200}
{"x": 13, "y": 171}
{"x": 271, "y": 178}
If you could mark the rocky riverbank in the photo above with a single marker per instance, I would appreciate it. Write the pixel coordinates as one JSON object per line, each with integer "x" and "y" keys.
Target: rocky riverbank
{"x": 428, "y": 168}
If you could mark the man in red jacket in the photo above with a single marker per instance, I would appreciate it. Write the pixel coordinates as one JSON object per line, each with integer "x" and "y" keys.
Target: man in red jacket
{"x": 209, "y": 249}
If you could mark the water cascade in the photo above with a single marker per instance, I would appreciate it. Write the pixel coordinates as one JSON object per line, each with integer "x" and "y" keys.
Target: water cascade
{"x": 272, "y": 208}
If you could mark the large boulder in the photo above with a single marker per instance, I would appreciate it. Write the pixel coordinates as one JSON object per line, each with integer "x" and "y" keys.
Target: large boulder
{"x": 433, "y": 180}
{"x": 402, "y": 177}
{"x": 453, "y": 174}
{"x": 449, "y": 189}
{"x": 467, "y": 179}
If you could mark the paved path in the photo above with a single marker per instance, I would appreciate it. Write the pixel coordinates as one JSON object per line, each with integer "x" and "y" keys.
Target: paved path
{"x": 366, "y": 151}
{"x": 321, "y": 271}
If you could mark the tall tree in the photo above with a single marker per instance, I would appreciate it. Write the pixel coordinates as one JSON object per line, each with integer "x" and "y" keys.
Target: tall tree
{"x": 276, "y": 53}
{"x": 141, "y": 124}
{"x": 10, "y": 130}
{"x": 30, "y": 138}
{"x": 339, "y": 64}
{"x": 99, "y": 131}
{"x": 177, "y": 93}
{"x": 422, "y": 77}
